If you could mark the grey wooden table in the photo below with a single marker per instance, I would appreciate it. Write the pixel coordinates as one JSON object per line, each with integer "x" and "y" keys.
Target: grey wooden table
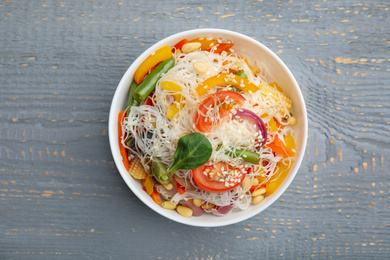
{"x": 61, "y": 196}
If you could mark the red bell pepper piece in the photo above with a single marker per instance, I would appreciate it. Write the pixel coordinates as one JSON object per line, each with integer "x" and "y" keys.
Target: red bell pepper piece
{"x": 180, "y": 44}
{"x": 222, "y": 47}
{"x": 122, "y": 149}
{"x": 180, "y": 189}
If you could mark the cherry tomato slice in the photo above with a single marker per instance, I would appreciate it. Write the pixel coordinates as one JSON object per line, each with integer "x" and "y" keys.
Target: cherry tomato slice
{"x": 210, "y": 177}
{"x": 206, "y": 124}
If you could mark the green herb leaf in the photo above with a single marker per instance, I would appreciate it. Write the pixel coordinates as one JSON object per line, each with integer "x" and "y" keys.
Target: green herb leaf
{"x": 193, "y": 150}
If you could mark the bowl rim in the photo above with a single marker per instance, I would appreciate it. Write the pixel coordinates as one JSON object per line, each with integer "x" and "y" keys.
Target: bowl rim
{"x": 114, "y": 144}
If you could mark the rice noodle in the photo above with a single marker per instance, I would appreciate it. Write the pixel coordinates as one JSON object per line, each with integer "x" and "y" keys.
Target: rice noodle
{"x": 156, "y": 136}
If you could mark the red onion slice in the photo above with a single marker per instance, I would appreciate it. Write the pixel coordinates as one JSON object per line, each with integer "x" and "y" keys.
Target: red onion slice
{"x": 196, "y": 211}
{"x": 225, "y": 209}
{"x": 255, "y": 119}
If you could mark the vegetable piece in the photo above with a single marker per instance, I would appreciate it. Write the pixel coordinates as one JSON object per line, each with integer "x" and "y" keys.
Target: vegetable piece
{"x": 272, "y": 126}
{"x": 160, "y": 172}
{"x": 221, "y": 47}
{"x": 149, "y": 83}
{"x": 172, "y": 86}
{"x": 224, "y": 209}
{"x": 226, "y": 79}
{"x": 277, "y": 179}
{"x": 254, "y": 70}
{"x": 122, "y": 149}
{"x": 161, "y": 54}
{"x": 277, "y": 96}
{"x": 206, "y": 43}
{"x": 149, "y": 100}
{"x": 196, "y": 210}
{"x": 175, "y": 107}
{"x": 289, "y": 140}
{"x": 172, "y": 111}
{"x": 156, "y": 197}
{"x": 180, "y": 189}
{"x": 246, "y": 155}
{"x": 212, "y": 178}
{"x": 256, "y": 120}
{"x": 148, "y": 184}
{"x": 180, "y": 44}
{"x": 276, "y": 85}
{"x": 136, "y": 169}
{"x": 193, "y": 150}
{"x": 225, "y": 100}
{"x": 131, "y": 101}
{"x": 279, "y": 147}
{"x": 241, "y": 74}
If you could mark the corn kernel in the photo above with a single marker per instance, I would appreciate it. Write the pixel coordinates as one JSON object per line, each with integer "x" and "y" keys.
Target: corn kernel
{"x": 136, "y": 169}
{"x": 277, "y": 96}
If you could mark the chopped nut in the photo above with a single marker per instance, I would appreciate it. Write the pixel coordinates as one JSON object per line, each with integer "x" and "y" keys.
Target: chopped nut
{"x": 201, "y": 67}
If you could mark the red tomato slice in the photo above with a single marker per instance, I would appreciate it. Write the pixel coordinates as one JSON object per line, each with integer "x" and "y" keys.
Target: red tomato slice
{"x": 204, "y": 123}
{"x": 208, "y": 177}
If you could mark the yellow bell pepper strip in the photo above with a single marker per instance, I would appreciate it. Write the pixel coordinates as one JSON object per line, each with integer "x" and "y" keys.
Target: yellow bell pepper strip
{"x": 279, "y": 147}
{"x": 174, "y": 108}
{"x": 161, "y": 54}
{"x": 149, "y": 83}
{"x": 272, "y": 126}
{"x": 289, "y": 140}
{"x": 276, "y": 85}
{"x": 169, "y": 85}
{"x": 226, "y": 79}
{"x": 155, "y": 195}
{"x": 277, "y": 179}
{"x": 206, "y": 43}
{"x": 148, "y": 184}
{"x": 122, "y": 149}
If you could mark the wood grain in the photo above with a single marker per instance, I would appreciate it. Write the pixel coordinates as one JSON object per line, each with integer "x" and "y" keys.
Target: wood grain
{"x": 61, "y": 196}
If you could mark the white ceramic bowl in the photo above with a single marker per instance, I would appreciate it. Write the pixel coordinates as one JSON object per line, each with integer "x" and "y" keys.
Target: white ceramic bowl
{"x": 276, "y": 70}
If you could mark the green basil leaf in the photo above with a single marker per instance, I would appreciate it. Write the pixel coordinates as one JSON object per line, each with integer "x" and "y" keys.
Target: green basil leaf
{"x": 193, "y": 150}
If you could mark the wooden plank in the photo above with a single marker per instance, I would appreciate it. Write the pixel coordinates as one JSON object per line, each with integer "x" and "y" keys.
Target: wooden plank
{"x": 61, "y": 195}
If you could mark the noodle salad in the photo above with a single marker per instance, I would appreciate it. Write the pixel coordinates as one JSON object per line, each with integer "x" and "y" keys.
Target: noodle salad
{"x": 204, "y": 131}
